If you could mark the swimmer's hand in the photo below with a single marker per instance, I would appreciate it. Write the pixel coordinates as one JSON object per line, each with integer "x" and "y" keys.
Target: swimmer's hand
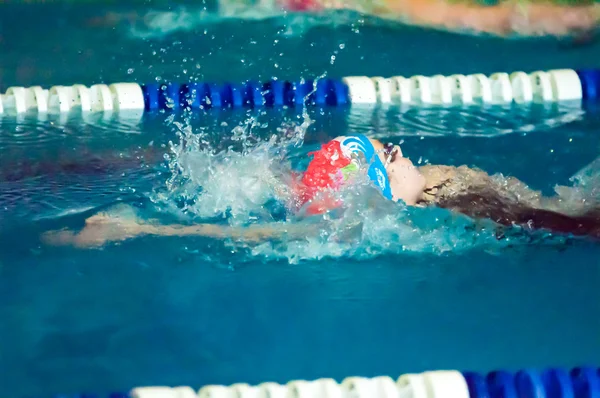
{"x": 98, "y": 230}
{"x": 103, "y": 228}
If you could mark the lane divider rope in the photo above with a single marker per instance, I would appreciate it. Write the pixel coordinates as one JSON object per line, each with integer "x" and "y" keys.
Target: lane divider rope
{"x": 548, "y": 383}
{"x": 477, "y": 89}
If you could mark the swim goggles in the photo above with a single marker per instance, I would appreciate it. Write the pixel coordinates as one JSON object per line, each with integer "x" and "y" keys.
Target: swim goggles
{"x": 390, "y": 152}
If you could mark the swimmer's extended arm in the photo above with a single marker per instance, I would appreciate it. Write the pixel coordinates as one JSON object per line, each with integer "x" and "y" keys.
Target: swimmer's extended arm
{"x": 102, "y": 229}
{"x": 524, "y": 17}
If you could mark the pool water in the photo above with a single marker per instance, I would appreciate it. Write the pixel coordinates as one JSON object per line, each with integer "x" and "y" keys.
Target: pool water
{"x": 193, "y": 311}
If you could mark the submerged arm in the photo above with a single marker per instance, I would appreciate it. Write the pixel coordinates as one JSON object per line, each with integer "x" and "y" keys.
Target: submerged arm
{"x": 101, "y": 229}
{"x": 528, "y": 18}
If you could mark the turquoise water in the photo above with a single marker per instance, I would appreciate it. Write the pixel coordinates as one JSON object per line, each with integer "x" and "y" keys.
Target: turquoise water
{"x": 197, "y": 311}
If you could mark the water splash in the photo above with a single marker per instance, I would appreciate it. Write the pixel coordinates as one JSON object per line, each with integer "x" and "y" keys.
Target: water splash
{"x": 585, "y": 192}
{"x": 237, "y": 181}
{"x": 372, "y": 226}
{"x": 234, "y": 179}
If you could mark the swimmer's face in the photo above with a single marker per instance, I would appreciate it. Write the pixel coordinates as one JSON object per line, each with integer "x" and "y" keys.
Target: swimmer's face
{"x": 406, "y": 181}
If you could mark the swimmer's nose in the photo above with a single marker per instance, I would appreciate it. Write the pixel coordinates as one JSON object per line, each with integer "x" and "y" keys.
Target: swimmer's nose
{"x": 392, "y": 152}
{"x": 399, "y": 151}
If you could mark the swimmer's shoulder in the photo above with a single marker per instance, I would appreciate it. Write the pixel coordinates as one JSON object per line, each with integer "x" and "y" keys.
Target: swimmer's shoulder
{"x": 442, "y": 180}
{"x": 435, "y": 173}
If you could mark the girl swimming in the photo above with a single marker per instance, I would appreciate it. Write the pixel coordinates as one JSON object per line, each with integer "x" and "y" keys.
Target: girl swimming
{"x": 578, "y": 19}
{"x": 505, "y": 17}
{"x": 338, "y": 163}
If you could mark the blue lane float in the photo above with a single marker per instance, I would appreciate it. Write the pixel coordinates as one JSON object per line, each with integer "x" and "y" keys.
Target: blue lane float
{"x": 465, "y": 90}
{"x": 557, "y": 383}
{"x": 580, "y": 382}
{"x": 586, "y": 382}
{"x": 590, "y": 83}
{"x": 530, "y": 384}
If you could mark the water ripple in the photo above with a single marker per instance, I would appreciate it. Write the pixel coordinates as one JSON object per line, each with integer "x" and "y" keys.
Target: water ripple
{"x": 474, "y": 122}
{"x": 42, "y": 197}
{"x": 33, "y": 130}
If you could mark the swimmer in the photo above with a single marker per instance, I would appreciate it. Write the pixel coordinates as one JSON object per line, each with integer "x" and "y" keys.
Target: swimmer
{"x": 507, "y": 17}
{"x": 506, "y": 202}
{"x": 578, "y": 20}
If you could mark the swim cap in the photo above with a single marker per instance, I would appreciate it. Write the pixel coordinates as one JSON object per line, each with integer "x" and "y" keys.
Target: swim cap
{"x": 301, "y": 5}
{"x": 333, "y": 164}
{"x": 326, "y": 172}
{"x": 360, "y": 144}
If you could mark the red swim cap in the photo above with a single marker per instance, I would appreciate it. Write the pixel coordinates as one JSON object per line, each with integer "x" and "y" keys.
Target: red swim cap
{"x": 302, "y": 5}
{"x": 323, "y": 173}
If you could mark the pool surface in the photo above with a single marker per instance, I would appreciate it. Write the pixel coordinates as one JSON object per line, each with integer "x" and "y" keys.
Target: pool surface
{"x": 195, "y": 311}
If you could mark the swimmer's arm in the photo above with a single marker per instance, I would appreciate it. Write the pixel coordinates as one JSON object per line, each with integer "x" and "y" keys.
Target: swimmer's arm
{"x": 506, "y": 17}
{"x": 100, "y": 230}
{"x": 252, "y": 233}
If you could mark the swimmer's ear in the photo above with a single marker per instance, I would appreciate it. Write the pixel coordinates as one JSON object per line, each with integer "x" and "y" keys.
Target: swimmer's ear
{"x": 357, "y": 158}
